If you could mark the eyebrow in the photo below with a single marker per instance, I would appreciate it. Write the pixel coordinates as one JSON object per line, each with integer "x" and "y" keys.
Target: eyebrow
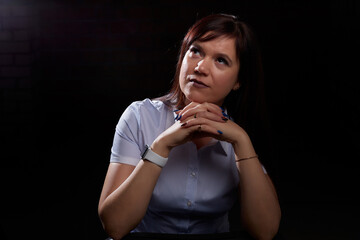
{"x": 223, "y": 55}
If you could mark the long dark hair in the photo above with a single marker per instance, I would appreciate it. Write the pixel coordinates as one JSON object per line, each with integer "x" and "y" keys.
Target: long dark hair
{"x": 245, "y": 105}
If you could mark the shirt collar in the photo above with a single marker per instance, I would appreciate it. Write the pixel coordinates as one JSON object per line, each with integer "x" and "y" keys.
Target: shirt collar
{"x": 221, "y": 147}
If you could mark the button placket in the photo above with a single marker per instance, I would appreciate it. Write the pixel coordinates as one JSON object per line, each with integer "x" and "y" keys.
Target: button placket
{"x": 191, "y": 188}
{"x": 192, "y": 180}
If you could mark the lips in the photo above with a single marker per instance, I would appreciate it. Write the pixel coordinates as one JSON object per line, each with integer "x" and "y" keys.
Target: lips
{"x": 198, "y": 83}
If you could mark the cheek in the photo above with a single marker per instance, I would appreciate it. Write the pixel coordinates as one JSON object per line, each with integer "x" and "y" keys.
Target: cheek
{"x": 183, "y": 71}
{"x": 227, "y": 80}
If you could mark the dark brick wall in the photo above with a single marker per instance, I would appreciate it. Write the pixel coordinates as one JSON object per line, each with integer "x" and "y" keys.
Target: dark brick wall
{"x": 69, "y": 68}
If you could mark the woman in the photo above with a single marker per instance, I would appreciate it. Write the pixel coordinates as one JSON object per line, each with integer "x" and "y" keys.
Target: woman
{"x": 200, "y": 159}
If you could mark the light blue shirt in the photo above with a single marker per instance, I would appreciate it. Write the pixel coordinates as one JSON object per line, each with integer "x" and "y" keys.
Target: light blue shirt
{"x": 196, "y": 188}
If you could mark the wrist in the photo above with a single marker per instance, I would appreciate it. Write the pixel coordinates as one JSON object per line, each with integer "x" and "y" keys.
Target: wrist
{"x": 160, "y": 148}
{"x": 243, "y": 147}
{"x": 153, "y": 157}
{"x": 241, "y": 139}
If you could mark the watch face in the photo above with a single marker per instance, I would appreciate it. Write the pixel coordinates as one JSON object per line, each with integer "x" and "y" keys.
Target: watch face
{"x": 145, "y": 151}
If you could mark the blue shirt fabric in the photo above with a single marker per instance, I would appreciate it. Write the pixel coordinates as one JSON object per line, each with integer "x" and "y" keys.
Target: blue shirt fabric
{"x": 196, "y": 188}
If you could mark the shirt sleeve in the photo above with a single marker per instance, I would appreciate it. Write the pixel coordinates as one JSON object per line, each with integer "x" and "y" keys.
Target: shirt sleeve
{"x": 126, "y": 148}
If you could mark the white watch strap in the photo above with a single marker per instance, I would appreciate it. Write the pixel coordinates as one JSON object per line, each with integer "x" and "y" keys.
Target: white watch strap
{"x": 154, "y": 157}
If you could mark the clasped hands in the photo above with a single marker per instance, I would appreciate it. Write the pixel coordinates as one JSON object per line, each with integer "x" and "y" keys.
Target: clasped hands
{"x": 201, "y": 117}
{"x": 198, "y": 120}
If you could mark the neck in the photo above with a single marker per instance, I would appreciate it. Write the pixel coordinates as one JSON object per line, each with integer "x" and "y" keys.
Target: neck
{"x": 201, "y": 141}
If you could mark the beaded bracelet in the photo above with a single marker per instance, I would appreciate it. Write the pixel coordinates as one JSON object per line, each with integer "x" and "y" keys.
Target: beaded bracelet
{"x": 241, "y": 159}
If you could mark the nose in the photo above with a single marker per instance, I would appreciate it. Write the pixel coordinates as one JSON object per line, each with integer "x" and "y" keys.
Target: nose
{"x": 202, "y": 67}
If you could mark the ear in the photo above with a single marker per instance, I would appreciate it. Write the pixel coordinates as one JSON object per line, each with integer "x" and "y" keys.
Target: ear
{"x": 236, "y": 86}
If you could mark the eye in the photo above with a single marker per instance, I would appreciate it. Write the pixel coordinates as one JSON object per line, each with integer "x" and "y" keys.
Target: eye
{"x": 194, "y": 50}
{"x": 222, "y": 60}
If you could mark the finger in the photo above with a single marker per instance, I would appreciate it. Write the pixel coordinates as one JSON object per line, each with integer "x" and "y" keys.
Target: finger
{"x": 204, "y": 130}
{"x": 193, "y": 107}
{"x": 187, "y": 107}
{"x": 176, "y": 111}
{"x": 203, "y": 114}
{"x": 197, "y": 121}
{"x": 213, "y": 108}
{"x": 204, "y": 107}
{"x": 203, "y": 122}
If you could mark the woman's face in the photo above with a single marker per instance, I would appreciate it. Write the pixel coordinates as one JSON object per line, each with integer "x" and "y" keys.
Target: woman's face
{"x": 209, "y": 71}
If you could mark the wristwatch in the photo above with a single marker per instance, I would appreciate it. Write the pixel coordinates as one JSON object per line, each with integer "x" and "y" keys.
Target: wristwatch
{"x": 149, "y": 155}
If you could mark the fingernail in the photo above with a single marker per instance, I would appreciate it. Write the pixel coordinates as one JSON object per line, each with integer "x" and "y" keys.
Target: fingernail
{"x": 219, "y": 131}
{"x": 183, "y": 124}
{"x": 225, "y": 115}
{"x": 224, "y": 118}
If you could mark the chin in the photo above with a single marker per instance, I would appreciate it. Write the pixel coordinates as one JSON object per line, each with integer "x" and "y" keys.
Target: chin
{"x": 201, "y": 99}
{"x": 198, "y": 99}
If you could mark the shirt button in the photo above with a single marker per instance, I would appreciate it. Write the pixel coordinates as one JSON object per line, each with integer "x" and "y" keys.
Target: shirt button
{"x": 193, "y": 174}
{"x": 189, "y": 204}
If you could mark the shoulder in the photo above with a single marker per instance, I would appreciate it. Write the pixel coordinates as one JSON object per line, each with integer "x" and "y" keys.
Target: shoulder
{"x": 148, "y": 106}
{"x": 146, "y": 109}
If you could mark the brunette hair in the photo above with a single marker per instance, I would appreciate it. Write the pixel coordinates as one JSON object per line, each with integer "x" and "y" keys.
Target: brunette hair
{"x": 245, "y": 104}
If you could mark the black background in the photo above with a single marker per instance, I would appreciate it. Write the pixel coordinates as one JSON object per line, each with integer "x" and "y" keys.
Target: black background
{"x": 68, "y": 69}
